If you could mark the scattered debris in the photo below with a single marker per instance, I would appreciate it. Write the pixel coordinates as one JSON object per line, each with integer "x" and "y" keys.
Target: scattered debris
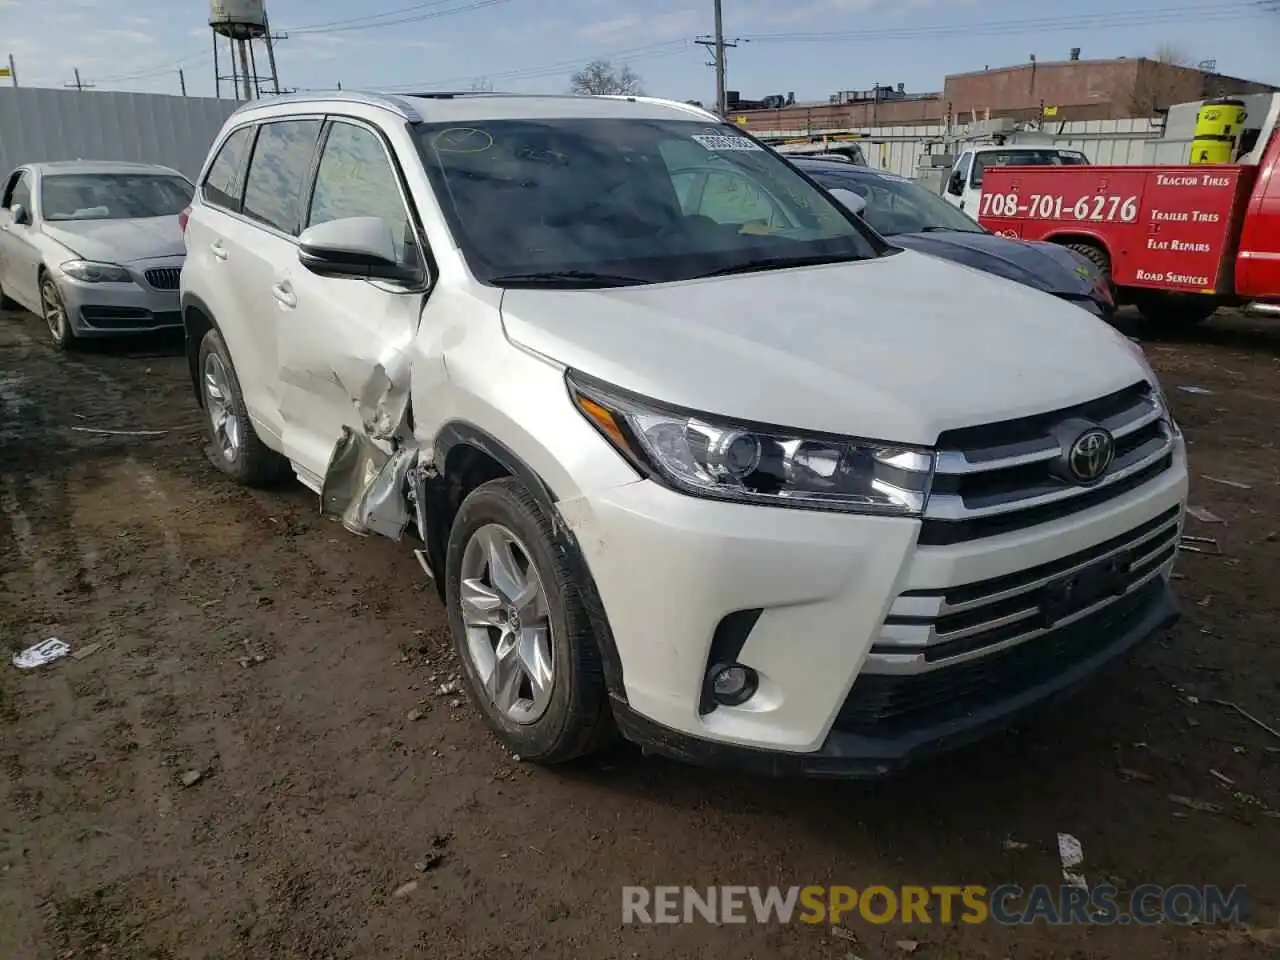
{"x": 192, "y": 777}
{"x": 1195, "y": 391}
{"x": 86, "y": 652}
{"x": 1200, "y": 545}
{"x": 908, "y": 946}
{"x": 1011, "y": 844}
{"x": 416, "y": 714}
{"x": 1222, "y": 777}
{"x": 1071, "y": 852}
{"x": 41, "y": 654}
{"x": 1205, "y": 602}
{"x": 435, "y": 855}
{"x": 844, "y": 934}
{"x": 448, "y": 688}
{"x": 1248, "y": 716}
{"x": 1204, "y": 515}
{"x": 1137, "y": 775}
{"x": 405, "y": 889}
{"x": 121, "y": 433}
{"x": 455, "y": 703}
{"x": 1203, "y": 806}
{"x": 252, "y": 660}
{"x": 1227, "y": 483}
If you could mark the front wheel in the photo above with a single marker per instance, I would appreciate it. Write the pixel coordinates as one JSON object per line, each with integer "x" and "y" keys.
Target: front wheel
{"x": 1175, "y": 309}
{"x": 522, "y": 633}
{"x": 56, "y": 317}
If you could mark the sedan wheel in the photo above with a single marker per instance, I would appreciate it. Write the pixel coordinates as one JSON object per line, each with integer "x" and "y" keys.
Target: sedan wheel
{"x": 508, "y": 625}
{"x": 55, "y": 313}
{"x": 218, "y": 403}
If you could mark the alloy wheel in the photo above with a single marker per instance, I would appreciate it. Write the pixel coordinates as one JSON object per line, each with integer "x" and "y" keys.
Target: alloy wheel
{"x": 508, "y": 625}
{"x": 217, "y": 395}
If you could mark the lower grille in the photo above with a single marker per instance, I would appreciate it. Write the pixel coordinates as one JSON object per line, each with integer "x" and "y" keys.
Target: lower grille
{"x": 165, "y": 278}
{"x": 926, "y": 630}
{"x": 128, "y": 318}
{"x": 885, "y": 705}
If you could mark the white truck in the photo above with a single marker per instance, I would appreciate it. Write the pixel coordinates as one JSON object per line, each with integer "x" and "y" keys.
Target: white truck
{"x": 963, "y": 187}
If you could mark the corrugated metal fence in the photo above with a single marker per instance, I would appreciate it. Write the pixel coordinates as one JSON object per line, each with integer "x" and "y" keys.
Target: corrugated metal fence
{"x": 38, "y": 124}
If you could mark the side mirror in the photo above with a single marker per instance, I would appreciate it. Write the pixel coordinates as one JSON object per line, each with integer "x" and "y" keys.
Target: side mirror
{"x": 955, "y": 186}
{"x": 854, "y": 202}
{"x": 361, "y": 248}
{"x": 21, "y": 215}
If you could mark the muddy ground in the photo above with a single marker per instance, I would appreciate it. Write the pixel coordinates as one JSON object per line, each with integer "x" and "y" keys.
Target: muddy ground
{"x": 244, "y": 637}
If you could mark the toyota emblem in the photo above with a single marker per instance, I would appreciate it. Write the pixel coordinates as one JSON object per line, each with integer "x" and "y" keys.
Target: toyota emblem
{"x": 1091, "y": 454}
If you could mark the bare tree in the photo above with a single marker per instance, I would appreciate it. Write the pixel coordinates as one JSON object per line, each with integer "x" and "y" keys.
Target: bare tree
{"x": 602, "y": 77}
{"x": 482, "y": 85}
{"x": 1162, "y": 80}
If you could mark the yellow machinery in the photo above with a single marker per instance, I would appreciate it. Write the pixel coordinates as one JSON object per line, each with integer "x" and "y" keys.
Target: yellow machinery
{"x": 1219, "y": 124}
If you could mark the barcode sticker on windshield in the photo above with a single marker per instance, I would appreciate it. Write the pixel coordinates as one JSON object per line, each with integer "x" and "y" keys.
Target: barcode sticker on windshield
{"x": 722, "y": 142}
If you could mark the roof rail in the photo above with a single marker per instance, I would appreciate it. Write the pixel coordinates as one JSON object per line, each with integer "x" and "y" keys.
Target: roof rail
{"x": 697, "y": 111}
{"x": 396, "y": 103}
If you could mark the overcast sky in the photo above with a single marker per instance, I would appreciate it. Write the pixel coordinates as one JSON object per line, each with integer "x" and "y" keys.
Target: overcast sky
{"x": 812, "y": 47}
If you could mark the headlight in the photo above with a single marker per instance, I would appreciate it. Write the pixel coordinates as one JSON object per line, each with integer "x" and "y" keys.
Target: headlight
{"x": 718, "y": 458}
{"x": 90, "y": 271}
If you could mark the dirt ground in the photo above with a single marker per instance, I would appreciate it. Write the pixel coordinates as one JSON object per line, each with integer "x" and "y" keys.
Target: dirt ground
{"x": 298, "y": 669}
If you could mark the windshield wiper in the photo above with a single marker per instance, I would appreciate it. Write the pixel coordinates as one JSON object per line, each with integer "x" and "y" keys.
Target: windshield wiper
{"x": 779, "y": 263}
{"x": 566, "y": 278}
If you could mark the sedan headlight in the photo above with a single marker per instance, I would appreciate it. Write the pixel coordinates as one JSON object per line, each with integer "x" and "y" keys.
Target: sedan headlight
{"x": 91, "y": 271}
{"x": 714, "y": 457}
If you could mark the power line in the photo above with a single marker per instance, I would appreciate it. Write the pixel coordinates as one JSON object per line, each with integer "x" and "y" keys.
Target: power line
{"x": 1145, "y": 17}
{"x": 650, "y": 51}
{"x": 373, "y": 16}
{"x": 416, "y": 18}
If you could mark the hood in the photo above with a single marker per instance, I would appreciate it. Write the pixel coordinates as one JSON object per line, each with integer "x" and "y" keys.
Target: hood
{"x": 1044, "y": 266}
{"x": 898, "y": 348}
{"x": 119, "y": 241}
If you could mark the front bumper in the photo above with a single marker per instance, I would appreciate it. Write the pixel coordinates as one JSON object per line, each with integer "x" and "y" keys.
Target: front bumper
{"x": 827, "y": 597}
{"x": 112, "y": 309}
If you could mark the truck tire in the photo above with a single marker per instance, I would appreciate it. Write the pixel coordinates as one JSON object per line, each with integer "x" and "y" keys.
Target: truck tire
{"x": 1097, "y": 256}
{"x": 502, "y": 543}
{"x": 1175, "y": 309}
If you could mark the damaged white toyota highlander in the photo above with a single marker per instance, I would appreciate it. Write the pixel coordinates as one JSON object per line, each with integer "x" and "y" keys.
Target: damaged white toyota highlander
{"x": 691, "y": 453}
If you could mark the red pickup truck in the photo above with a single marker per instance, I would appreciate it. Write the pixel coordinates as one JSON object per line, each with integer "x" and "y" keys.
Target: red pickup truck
{"x": 1176, "y": 241}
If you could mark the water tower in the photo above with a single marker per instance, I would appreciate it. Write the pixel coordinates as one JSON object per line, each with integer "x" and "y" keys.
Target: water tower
{"x": 244, "y": 26}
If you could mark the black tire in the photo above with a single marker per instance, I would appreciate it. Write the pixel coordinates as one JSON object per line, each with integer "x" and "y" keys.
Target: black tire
{"x": 61, "y": 334}
{"x": 1100, "y": 259}
{"x": 577, "y": 720}
{"x": 1175, "y": 309}
{"x": 254, "y": 463}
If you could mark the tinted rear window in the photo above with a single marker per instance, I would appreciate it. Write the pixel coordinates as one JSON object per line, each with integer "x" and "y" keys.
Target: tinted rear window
{"x": 279, "y": 171}
{"x": 226, "y": 173}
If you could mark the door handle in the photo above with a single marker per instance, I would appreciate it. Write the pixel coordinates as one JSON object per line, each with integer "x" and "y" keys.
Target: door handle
{"x": 218, "y": 249}
{"x": 284, "y": 294}
{"x": 961, "y": 204}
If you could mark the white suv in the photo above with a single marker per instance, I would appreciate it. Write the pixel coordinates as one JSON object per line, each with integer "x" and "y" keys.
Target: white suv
{"x": 691, "y": 453}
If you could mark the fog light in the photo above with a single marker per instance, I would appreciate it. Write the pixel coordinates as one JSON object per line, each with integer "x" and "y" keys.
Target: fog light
{"x": 732, "y": 684}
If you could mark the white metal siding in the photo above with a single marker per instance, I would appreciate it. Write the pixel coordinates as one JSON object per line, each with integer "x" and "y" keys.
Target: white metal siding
{"x": 39, "y": 124}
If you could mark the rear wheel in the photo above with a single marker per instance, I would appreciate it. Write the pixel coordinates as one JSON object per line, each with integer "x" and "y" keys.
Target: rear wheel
{"x": 56, "y": 318}
{"x": 1175, "y": 309}
{"x": 237, "y": 450}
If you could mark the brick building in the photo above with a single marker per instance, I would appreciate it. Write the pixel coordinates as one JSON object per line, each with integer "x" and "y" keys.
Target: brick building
{"x": 1079, "y": 89}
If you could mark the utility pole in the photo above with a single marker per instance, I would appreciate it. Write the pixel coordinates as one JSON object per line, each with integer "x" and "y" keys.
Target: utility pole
{"x": 182, "y": 81}
{"x": 717, "y": 46}
{"x": 271, "y": 52}
{"x": 13, "y": 70}
{"x": 79, "y": 84}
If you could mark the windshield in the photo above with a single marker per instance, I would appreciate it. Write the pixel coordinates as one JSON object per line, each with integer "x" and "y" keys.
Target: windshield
{"x": 896, "y": 205}
{"x": 1025, "y": 158}
{"x": 113, "y": 196}
{"x": 628, "y": 201}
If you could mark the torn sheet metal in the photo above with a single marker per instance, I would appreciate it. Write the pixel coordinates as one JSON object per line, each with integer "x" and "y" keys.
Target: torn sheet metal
{"x": 379, "y": 389}
{"x": 366, "y": 487}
